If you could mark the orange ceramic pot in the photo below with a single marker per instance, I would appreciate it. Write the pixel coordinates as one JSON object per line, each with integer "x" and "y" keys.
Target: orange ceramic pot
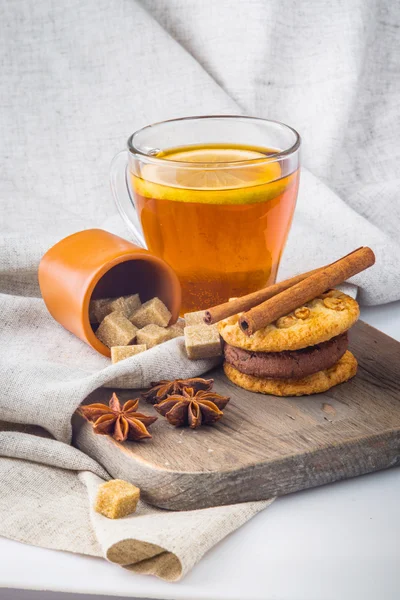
{"x": 95, "y": 264}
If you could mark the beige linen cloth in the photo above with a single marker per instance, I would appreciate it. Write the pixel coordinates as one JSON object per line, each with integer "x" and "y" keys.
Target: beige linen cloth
{"x": 48, "y": 487}
{"x": 74, "y": 84}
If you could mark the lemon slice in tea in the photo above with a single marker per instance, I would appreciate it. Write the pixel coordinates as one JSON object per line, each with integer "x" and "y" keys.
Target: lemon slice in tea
{"x": 219, "y": 175}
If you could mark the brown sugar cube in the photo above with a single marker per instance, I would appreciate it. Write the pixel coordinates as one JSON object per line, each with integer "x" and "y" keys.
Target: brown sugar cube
{"x": 121, "y": 352}
{"x": 116, "y": 330}
{"x": 152, "y": 312}
{"x": 202, "y": 341}
{"x": 116, "y": 304}
{"x": 116, "y": 499}
{"x": 132, "y": 304}
{"x": 152, "y": 335}
{"x": 92, "y": 315}
{"x": 99, "y": 309}
{"x": 175, "y": 330}
{"x": 195, "y": 318}
{"x": 96, "y": 312}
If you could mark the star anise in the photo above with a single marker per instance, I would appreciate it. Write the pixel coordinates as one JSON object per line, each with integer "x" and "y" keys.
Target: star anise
{"x": 120, "y": 423}
{"x": 160, "y": 390}
{"x": 193, "y": 408}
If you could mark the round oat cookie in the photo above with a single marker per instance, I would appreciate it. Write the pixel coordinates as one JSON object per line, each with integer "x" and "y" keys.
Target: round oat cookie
{"x": 319, "y": 382}
{"x": 317, "y": 321}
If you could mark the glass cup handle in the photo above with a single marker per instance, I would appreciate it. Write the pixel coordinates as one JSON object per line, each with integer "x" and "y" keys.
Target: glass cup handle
{"x": 119, "y": 180}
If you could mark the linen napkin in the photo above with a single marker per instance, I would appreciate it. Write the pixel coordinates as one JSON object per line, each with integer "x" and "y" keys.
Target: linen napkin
{"x": 48, "y": 491}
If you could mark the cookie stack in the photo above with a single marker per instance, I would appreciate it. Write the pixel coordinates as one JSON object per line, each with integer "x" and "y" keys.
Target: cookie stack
{"x": 304, "y": 352}
{"x": 290, "y": 339}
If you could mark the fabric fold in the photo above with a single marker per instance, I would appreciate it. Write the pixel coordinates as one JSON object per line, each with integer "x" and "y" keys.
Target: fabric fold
{"x": 25, "y": 446}
{"x": 48, "y": 374}
{"x": 163, "y": 543}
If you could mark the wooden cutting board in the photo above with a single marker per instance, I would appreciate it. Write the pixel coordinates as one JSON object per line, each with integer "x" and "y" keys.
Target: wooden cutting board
{"x": 264, "y": 445}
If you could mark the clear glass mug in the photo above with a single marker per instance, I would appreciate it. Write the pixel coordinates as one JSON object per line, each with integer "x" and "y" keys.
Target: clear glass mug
{"x": 212, "y": 196}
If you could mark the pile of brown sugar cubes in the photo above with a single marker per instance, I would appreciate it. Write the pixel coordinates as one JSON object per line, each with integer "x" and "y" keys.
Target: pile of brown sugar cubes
{"x": 128, "y": 327}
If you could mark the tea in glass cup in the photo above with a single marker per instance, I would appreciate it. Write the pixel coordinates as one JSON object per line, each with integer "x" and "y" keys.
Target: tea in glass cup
{"x": 215, "y": 198}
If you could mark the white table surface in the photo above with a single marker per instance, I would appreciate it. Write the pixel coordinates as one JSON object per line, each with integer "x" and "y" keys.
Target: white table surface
{"x": 337, "y": 542}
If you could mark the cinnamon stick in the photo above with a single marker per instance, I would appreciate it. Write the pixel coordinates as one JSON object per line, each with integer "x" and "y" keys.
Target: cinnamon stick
{"x": 328, "y": 277}
{"x": 245, "y": 303}
{"x": 227, "y": 309}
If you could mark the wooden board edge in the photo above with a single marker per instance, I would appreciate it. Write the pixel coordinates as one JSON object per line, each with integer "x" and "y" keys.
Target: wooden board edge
{"x": 173, "y": 490}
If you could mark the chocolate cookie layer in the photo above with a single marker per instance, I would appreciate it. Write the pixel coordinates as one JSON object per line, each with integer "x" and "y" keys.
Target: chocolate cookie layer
{"x": 288, "y": 364}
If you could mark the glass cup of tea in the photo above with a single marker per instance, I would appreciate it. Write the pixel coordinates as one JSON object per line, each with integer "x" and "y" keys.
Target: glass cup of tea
{"x": 212, "y": 196}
